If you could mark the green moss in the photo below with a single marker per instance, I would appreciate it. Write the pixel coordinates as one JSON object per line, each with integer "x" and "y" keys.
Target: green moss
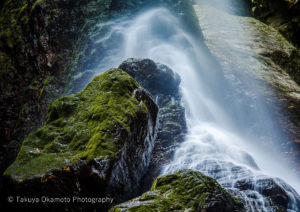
{"x": 153, "y": 188}
{"x": 184, "y": 190}
{"x": 170, "y": 124}
{"x": 35, "y": 4}
{"x": 46, "y": 82}
{"x": 81, "y": 126}
{"x": 14, "y": 16}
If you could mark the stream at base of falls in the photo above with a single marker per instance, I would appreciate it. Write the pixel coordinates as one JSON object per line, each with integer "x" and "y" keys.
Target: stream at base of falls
{"x": 216, "y": 143}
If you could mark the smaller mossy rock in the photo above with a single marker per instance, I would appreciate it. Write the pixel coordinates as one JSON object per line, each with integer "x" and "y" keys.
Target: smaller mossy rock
{"x": 185, "y": 190}
{"x": 155, "y": 77}
{"x": 100, "y": 138}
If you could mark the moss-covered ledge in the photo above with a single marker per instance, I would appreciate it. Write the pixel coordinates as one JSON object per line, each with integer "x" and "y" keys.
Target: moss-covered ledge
{"x": 92, "y": 124}
{"x": 185, "y": 190}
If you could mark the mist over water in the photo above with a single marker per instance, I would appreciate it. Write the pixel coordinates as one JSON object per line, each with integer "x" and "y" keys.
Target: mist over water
{"x": 216, "y": 144}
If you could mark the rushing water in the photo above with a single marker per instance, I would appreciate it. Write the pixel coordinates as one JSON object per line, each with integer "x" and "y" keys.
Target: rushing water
{"x": 213, "y": 145}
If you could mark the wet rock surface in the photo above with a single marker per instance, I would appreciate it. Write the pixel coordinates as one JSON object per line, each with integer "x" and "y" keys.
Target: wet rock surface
{"x": 163, "y": 84}
{"x": 96, "y": 143}
{"x": 276, "y": 193}
{"x": 251, "y": 52}
{"x": 185, "y": 190}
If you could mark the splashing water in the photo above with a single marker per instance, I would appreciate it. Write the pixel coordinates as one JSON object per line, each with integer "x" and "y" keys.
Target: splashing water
{"x": 213, "y": 144}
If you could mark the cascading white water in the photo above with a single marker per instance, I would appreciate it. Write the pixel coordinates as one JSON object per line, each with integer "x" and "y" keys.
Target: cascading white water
{"x": 213, "y": 144}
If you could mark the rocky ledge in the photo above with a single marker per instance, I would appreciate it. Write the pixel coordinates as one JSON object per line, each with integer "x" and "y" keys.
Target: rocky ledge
{"x": 185, "y": 190}
{"x": 97, "y": 142}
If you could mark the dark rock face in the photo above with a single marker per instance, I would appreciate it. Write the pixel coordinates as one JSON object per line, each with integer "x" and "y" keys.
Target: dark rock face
{"x": 183, "y": 191}
{"x": 96, "y": 143}
{"x": 156, "y": 78}
{"x": 162, "y": 83}
{"x": 280, "y": 14}
{"x": 36, "y": 43}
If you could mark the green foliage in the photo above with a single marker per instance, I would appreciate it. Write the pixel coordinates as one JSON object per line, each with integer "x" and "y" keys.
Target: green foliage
{"x": 82, "y": 126}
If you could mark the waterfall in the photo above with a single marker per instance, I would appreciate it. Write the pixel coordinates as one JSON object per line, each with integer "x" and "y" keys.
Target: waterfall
{"x": 214, "y": 144}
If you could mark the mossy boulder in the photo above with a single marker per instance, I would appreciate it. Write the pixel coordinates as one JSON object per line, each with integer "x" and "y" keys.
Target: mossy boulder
{"x": 99, "y": 140}
{"x": 185, "y": 190}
